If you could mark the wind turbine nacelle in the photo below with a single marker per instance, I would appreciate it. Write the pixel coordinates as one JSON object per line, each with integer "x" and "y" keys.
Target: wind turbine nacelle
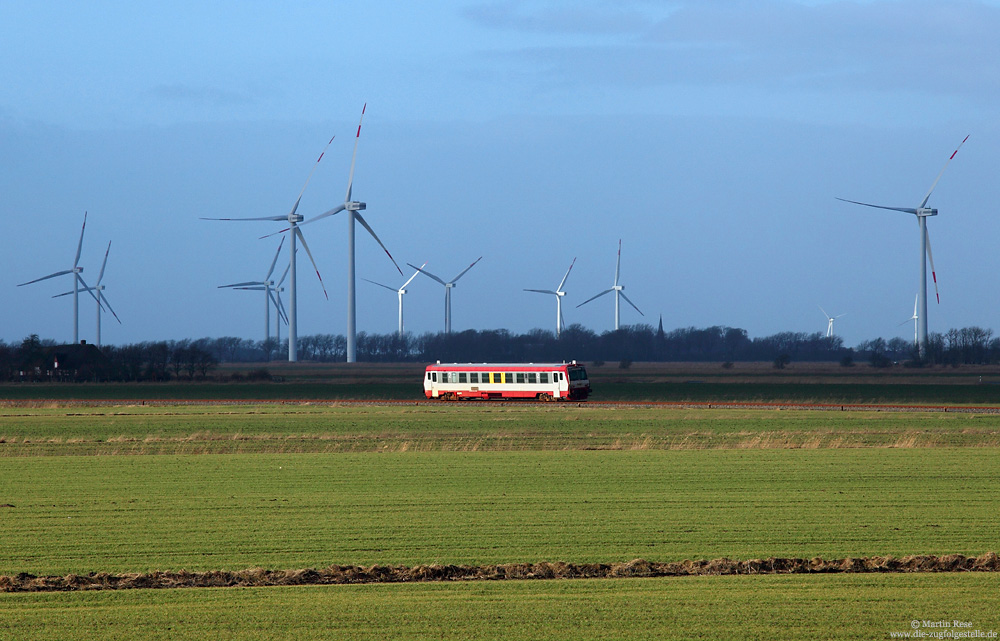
{"x": 296, "y": 218}
{"x": 926, "y": 211}
{"x": 355, "y": 206}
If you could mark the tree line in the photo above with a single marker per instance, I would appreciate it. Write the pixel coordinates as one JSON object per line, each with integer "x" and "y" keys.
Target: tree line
{"x": 197, "y": 359}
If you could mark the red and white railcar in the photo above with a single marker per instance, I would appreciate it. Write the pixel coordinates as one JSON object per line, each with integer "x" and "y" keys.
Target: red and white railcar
{"x": 542, "y": 381}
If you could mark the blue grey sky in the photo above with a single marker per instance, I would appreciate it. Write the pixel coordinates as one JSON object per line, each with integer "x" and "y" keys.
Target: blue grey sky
{"x": 711, "y": 137}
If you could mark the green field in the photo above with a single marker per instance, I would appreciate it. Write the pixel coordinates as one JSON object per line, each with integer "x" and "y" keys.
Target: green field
{"x": 139, "y": 488}
{"x": 746, "y": 607}
{"x": 320, "y": 428}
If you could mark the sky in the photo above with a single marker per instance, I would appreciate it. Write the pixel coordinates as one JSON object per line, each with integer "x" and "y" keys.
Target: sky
{"x": 712, "y": 138}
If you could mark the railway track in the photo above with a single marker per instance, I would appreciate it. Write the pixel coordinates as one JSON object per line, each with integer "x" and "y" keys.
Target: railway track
{"x": 759, "y": 405}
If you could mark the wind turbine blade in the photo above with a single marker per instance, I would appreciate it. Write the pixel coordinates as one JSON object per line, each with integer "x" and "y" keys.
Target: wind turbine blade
{"x": 844, "y": 314}
{"x": 275, "y": 261}
{"x": 100, "y": 276}
{"x": 276, "y": 300}
{"x": 391, "y": 289}
{"x": 371, "y": 231}
{"x": 606, "y": 291}
{"x": 563, "y": 281}
{"x": 467, "y": 269}
{"x": 82, "y": 289}
{"x": 562, "y": 321}
{"x": 325, "y": 214}
{"x": 249, "y": 282}
{"x": 905, "y": 210}
{"x": 79, "y": 246}
{"x": 915, "y": 299}
{"x": 412, "y": 277}
{"x": 619, "y": 263}
{"x": 947, "y": 162}
{"x": 311, "y": 172}
{"x": 427, "y": 273}
{"x": 542, "y": 291}
{"x": 305, "y": 245}
{"x": 930, "y": 256}
{"x": 255, "y": 288}
{"x": 824, "y": 312}
{"x": 110, "y": 309}
{"x": 284, "y": 276}
{"x": 63, "y": 272}
{"x": 281, "y": 307}
{"x": 354, "y": 156}
{"x": 275, "y": 218}
{"x": 87, "y": 288}
{"x": 631, "y": 303}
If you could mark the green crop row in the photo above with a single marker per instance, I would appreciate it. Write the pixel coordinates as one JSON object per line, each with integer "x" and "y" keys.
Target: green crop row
{"x": 142, "y": 513}
{"x": 789, "y": 607}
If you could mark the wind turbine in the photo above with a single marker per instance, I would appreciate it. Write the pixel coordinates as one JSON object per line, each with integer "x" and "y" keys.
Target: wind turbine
{"x": 558, "y": 293}
{"x": 295, "y": 234}
{"x": 101, "y": 298}
{"x": 354, "y": 209}
{"x": 399, "y": 293}
{"x": 77, "y": 281}
{"x": 447, "y": 289}
{"x": 830, "y": 319}
{"x": 913, "y": 318}
{"x": 266, "y": 285}
{"x": 921, "y": 212}
{"x": 617, "y": 289}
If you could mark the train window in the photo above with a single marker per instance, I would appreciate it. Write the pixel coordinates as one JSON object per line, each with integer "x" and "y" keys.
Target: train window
{"x": 543, "y": 377}
{"x": 434, "y": 377}
{"x": 462, "y": 376}
{"x": 484, "y": 377}
{"x": 496, "y": 377}
{"x": 532, "y": 378}
{"x": 520, "y": 377}
{"x": 508, "y": 377}
{"x": 473, "y": 377}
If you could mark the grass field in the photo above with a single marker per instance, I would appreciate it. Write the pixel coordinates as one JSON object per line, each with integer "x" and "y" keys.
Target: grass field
{"x": 129, "y": 489}
{"x": 746, "y": 607}
{"x": 469, "y": 427}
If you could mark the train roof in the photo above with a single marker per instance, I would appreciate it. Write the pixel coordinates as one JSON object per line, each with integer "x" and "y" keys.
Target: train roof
{"x": 494, "y": 365}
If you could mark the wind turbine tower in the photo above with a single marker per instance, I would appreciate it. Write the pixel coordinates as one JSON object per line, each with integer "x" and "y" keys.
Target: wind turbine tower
{"x": 447, "y": 289}
{"x": 558, "y": 293}
{"x": 354, "y": 209}
{"x": 922, "y": 212}
{"x": 295, "y": 234}
{"x": 399, "y": 293}
{"x": 830, "y": 319}
{"x": 76, "y": 270}
{"x": 617, "y": 289}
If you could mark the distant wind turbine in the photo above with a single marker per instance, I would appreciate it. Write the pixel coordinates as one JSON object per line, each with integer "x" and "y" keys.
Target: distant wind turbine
{"x": 558, "y": 293}
{"x": 447, "y": 289}
{"x": 295, "y": 234}
{"x": 267, "y": 286}
{"x": 399, "y": 293}
{"x": 830, "y": 319}
{"x": 913, "y": 318}
{"x": 101, "y": 298}
{"x": 617, "y": 289}
{"x": 76, "y": 270}
{"x": 921, "y": 212}
{"x": 354, "y": 209}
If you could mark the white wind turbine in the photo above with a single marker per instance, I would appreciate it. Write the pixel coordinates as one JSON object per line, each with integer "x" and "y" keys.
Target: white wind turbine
{"x": 830, "y": 319}
{"x": 558, "y": 293}
{"x": 354, "y": 209}
{"x": 102, "y": 299}
{"x": 447, "y": 289}
{"x": 921, "y": 212}
{"x": 267, "y": 286}
{"x": 617, "y": 289}
{"x": 295, "y": 234}
{"x": 76, "y": 270}
{"x": 915, "y": 318}
{"x": 399, "y": 294}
